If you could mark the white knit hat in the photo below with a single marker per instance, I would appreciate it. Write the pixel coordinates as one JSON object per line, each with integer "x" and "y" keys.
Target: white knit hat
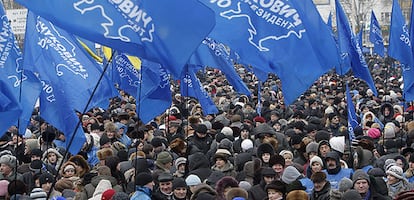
{"x": 316, "y": 159}
{"x": 395, "y": 171}
{"x": 192, "y": 180}
{"x": 246, "y": 144}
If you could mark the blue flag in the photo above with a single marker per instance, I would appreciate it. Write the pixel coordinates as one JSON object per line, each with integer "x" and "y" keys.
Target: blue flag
{"x": 23, "y": 85}
{"x": 259, "y": 98}
{"x": 125, "y": 74}
{"x": 329, "y": 22}
{"x": 351, "y": 51}
{"x": 155, "y": 96}
{"x": 352, "y": 117}
{"x": 150, "y": 29}
{"x": 271, "y": 36}
{"x": 359, "y": 38}
{"x": 214, "y": 54}
{"x": 55, "y": 110}
{"x": 192, "y": 87}
{"x": 59, "y": 59}
{"x": 10, "y": 110}
{"x": 375, "y": 35}
{"x": 400, "y": 49}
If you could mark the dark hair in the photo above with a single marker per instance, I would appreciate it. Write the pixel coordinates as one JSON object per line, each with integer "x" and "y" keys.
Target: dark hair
{"x": 16, "y": 187}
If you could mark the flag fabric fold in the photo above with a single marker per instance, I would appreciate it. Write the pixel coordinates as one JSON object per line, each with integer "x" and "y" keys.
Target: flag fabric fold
{"x": 401, "y": 50}
{"x": 150, "y": 29}
{"x": 350, "y": 50}
{"x": 352, "y": 117}
{"x": 375, "y": 35}
{"x": 272, "y": 41}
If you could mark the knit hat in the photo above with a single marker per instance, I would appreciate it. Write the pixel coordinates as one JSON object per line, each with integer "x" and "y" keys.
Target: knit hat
{"x": 283, "y": 152}
{"x": 3, "y": 187}
{"x": 389, "y": 130}
{"x": 8, "y": 160}
{"x": 351, "y": 195}
{"x": 290, "y": 174}
{"x": 38, "y": 194}
{"x": 120, "y": 196}
{"x": 316, "y": 159}
{"x": 46, "y": 178}
{"x": 338, "y": 143}
{"x": 178, "y": 183}
{"x": 227, "y": 131}
{"x": 179, "y": 161}
{"x": 388, "y": 163}
{"x": 246, "y": 144}
{"x": 143, "y": 178}
{"x": 164, "y": 157}
{"x": 192, "y": 180}
{"x": 395, "y": 171}
{"x": 312, "y": 147}
{"x": 345, "y": 184}
{"x": 374, "y": 133}
{"x": 276, "y": 159}
{"x": 360, "y": 175}
{"x": 107, "y": 195}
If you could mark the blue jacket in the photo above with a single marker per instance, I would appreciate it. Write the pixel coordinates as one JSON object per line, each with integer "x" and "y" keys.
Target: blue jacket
{"x": 306, "y": 182}
{"x": 334, "y": 179}
{"x": 141, "y": 193}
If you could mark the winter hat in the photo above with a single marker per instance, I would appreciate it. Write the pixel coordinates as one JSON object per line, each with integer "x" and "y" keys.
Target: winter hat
{"x": 395, "y": 171}
{"x": 360, "y": 175}
{"x": 38, "y": 194}
{"x": 165, "y": 177}
{"x": 312, "y": 147}
{"x": 164, "y": 157}
{"x": 201, "y": 129}
{"x": 277, "y": 159}
{"x": 376, "y": 172}
{"x": 8, "y": 160}
{"x": 351, "y": 195}
{"x": 227, "y": 131}
{"x": 276, "y": 185}
{"x": 295, "y": 139}
{"x": 316, "y": 159}
{"x": 120, "y": 196}
{"x": 389, "y": 130}
{"x": 297, "y": 195}
{"x": 46, "y": 178}
{"x": 374, "y": 133}
{"x": 35, "y": 166}
{"x": 179, "y": 161}
{"x": 290, "y": 174}
{"x": 246, "y": 144}
{"x": 36, "y": 152}
{"x": 267, "y": 171}
{"x": 259, "y": 119}
{"x": 283, "y": 152}
{"x": 3, "y": 187}
{"x": 178, "y": 183}
{"x": 338, "y": 143}
{"x": 192, "y": 180}
{"x": 245, "y": 185}
{"x": 107, "y": 195}
{"x": 265, "y": 148}
{"x": 102, "y": 154}
{"x": 237, "y": 192}
{"x": 345, "y": 184}
{"x": 143, "y": 178}
{"x": 388, "y": 163}
{"x": 224, "y": 154}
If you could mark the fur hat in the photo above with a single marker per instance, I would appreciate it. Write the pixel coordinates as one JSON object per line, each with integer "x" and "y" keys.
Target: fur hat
{"x": 143, "y": 178}
{"x": 360, "y": 175}
{"x": 351, "y": 194}
{"x": 63, "y": 184}
{"x": 318, "y": 177}
{"x": 8, "y": 160}
{"x": 290, "y": 174}
{"x": 226, "y": 182}
{"x": 297, "y": 195}
{"x": 104, "y": 153}
{"x": 64, "y": 166}
{"x": 265, "y": 148}
{"x": 395, "y": 171}
{"x": 312, "y": 147}
{"x": 316, "y": 159}
{"x": 277, "y": 159}
{"x": 164, "y": 157}
{"x": 177, "y": 145}
{"x": 345, "y": 184}
{"x": 277, "y": 185}
{"x": 237, "y": 192}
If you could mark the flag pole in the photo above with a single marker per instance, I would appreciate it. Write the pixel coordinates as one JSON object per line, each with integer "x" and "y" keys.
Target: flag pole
{"x": 139, "y": 111}
{"x": 79, "y": 121}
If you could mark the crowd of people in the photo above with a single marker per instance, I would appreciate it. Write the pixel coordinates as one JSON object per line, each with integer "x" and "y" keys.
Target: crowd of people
{"x": 255, "y": 148}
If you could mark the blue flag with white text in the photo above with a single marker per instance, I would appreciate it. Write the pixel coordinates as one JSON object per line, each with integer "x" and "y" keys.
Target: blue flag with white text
{"x": 24, "y": 86}
{"x": 400, "y": 49}
{"x": 192, "y": 87}
{"x": 149, "y": 29}
{"x": 155, "y": 95}
{"x": 350, "y": 50}
{"x": 352, "y": 117}
{"x": 375, "y": 35}
{"x": 215, "y": 54}
{"x": 271, "y": 36}
{"x": 125, "y": 74}
{"x": 59, "y": 59}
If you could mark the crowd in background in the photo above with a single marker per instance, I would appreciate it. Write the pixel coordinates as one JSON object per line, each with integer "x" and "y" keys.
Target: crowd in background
{"x": 293, "y": 152}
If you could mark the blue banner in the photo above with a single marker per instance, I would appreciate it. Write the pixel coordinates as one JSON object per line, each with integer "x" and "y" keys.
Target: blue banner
{"x": 271, "y": 36}
{"x": 351, "y": 51}
{"x": 59, "y": 59}
{"x": 352, "y": 117}
{"x": 192, "y": 87}
{"x": 149, "y": 29}
{"x": 22, "y": 84}
{"x": 10, "y": 110}
{"x": 400, "y": 49}
{"x": 125, "y": 74}
{"x": 375, "y": 35}
{"x": 215, "y": 54}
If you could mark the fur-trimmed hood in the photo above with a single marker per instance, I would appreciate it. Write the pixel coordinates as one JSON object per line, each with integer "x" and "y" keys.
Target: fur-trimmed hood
{"x": 58, "y": 155}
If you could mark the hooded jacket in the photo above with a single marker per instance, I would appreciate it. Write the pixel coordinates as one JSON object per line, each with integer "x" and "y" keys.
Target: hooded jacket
{"x": 334, "y": 176}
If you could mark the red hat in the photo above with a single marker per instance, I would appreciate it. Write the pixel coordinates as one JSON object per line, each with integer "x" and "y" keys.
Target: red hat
{"x": 259, "y": 119}
{"x": 107, "y": 195}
